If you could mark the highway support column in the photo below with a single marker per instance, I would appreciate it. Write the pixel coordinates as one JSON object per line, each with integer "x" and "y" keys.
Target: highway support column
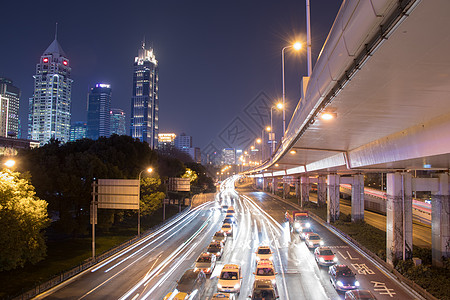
{"x": 333, "y": 198}
{"x": 265, "y": 184}
{"x": 440, "y": 221}
{"x": 305, "y": 187}
{"x": 275, "y": 181}
{"x": 321, "y": 191}
{"x": 398, "y": 217}
{"x": 358, "y": 197}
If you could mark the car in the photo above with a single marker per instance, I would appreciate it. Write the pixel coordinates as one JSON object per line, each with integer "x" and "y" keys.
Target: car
{"x": 192, "y": 283}
{"x": 227, "y": 228}
{"x": 220, "y": 236}
{"x": 313, "y": 240}
{"x": 265, "y": 270}
{"x": 223, "y": 296}
{"x": 205, "y": 262}
{"x": 224, "y": 208}
{"x": 215, "y": 248}
{"x": 264, "y": 289}
{"x": 230, "y": 210}
{"x": 230, "y": 279}
{"x": 228, "y": 221}
{"x": 342, "y": 278}
{"x": 303, "y": 234}
{"x": 324, "y": 256}
{"x": 177, "y": 296}
{"x": 231, "y": 216}
{"x": 359, "y": 294}
{"x": 263, "y": 252}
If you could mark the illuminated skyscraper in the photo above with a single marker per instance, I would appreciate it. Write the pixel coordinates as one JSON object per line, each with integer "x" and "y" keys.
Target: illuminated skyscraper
{"x": 117, "y": 120}
{"x": 49, "y": 114}
{"x": 9, "y": 109}
{"x": 144, "y": 102}
{"x": 78, "y": 131}
{"x": 99, "y": 108}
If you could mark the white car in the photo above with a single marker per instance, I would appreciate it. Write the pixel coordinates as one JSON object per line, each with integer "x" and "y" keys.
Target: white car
{"x": 265, "y": 271}
{"x": 263, "y": 253}
{"x": 313, "y": 240}
{"x": 230, "y": 279}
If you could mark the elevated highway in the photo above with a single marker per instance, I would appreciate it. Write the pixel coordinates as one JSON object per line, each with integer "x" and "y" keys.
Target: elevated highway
{"x": 384, "y": 76}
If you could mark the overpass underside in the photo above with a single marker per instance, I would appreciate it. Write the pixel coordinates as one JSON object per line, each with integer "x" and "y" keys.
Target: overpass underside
{"x": 384, "y": 74}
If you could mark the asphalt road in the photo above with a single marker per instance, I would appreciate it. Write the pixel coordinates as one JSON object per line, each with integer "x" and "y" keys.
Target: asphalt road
{"x": 150, "y": 268}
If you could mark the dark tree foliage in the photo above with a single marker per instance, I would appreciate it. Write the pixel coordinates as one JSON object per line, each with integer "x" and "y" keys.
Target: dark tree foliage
{"x": 63, "y": 173}
{"x": 204, "y": 183}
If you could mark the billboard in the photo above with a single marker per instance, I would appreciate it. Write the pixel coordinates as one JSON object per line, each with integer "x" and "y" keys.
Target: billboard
{"x": 179, "y": 184}
{"x": 118, "y": 193}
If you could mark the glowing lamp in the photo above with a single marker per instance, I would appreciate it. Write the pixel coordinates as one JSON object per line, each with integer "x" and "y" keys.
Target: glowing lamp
{"x": 45, "y": 60}
{"x": 65, "y": 62}
{"x": 297, "y": 46}
{"x": 280, "y": 105}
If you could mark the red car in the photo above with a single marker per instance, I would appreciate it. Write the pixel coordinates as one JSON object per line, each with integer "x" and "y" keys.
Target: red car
{"x": 324, "y": 256}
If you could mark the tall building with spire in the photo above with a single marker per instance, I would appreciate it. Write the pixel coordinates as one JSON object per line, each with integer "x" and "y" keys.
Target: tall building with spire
{"x": 9, "y": 109}
{"x": 49, "y": 114}
{"x": 144, "y": 101}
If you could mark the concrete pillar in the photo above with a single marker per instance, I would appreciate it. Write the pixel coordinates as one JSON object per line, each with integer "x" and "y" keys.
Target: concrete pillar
{"x": 333, "y": 198}
{"x": 322, "y": 191}
{"x": 284, "y": 187}
{"x": 440, "y": 221}
{"x": 275, "y": 181}
{"x": 304, "y": 187}
{"x": 265, "y": 184}
{"x": 398, "y": 216}
{"x": 358, "y": 198}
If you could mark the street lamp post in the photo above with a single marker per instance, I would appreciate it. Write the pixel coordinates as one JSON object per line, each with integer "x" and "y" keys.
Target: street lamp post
{"x": 149, "y": 170}
{"x": 296, "y": 46}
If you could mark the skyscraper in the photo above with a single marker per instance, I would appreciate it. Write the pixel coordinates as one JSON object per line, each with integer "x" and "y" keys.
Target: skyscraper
{"x": 99, "y": 108}
{"x": 78, "y": 131}
{"x": 9, "y": 108}
{"x": 183, "y": 142}
{"x": 144, "y": 102}
{"x": 49, "y": 114}
{"x": 117, "y": 120}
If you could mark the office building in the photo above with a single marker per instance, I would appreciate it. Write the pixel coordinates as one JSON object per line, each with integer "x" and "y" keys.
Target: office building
{"x": 166, "y": 140}
{"x": 117, "y": 121}
{"x": 78, "y": 131}
{"x": 228, "y": 156}
{"x": 144, "y": 101}
{"x": 196, "y": 154}
{"x": 49, "y": 114}
{"x": 9, "y": 109}
{"x": 99, "y": 108}
{"x": 183, "y": 143}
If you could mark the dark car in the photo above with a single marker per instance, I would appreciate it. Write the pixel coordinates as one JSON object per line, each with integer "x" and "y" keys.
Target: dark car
{"x": 192, "y": 282}
{"x": 220, "y": 237}
{"x": 264, "y": 289}
{"x": 342, "y": 278}
{"x": 215, "y": 248}
{"x": 359, "y": 295}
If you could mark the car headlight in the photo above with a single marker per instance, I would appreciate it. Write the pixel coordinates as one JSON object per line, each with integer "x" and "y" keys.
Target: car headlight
{"x": 335, "y": 259}
{"x": 339, "y": 283}
{"x": 321, "y": 259}
{"x": 273, "y": 281}
{"x": 308, "y": 225}
{"x": 356, "y": 283}
{"x": 310, "y": 243}
{"x": 237, "y": 285}
{"x": 219, "y": 286}
{"x": 258, "y": 258}
{"x": 195, "y": 269}
{"x": 207, "y": 270}
{"x": 321, "y": 243}
{"x": 218, "y": 253}
{"x": 296, "y": 225}
{"x": 271, "y": 258}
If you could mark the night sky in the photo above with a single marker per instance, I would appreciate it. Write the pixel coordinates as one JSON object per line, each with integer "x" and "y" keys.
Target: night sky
{"x": 214, "y": 56}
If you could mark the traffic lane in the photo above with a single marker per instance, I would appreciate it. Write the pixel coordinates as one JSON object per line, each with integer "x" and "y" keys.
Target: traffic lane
{"x": 114, "y": 277}
{"x": 421, "y": 233}
{"x": 302, "y": 278}
{"x": 367, "y": 273}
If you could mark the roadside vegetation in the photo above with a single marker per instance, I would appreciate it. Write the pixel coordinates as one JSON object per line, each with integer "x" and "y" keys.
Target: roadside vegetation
{"x": 45, "y": 206}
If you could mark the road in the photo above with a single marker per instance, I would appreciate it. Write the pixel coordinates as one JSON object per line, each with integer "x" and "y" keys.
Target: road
{"x": 150, "y": 268}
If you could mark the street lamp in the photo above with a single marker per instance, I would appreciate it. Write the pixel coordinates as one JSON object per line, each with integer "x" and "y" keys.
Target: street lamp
{"x": 297, "y": 46}
{"x": 272, "y": 137}
{"x": 10, "y": 163}
{"x": 149, "y": 170}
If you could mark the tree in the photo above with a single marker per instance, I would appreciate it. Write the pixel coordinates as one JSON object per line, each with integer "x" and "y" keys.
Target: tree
{"x": 151, "y": 195}
{"x": 23, "y": 216}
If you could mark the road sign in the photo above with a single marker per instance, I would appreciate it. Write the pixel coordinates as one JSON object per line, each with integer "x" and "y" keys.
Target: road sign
{"x": 179, "y": 184}
{"x": 118, "y": 193}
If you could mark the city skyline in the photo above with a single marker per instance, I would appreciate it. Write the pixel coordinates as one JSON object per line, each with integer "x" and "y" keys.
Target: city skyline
{"x": 215, "y": 55}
